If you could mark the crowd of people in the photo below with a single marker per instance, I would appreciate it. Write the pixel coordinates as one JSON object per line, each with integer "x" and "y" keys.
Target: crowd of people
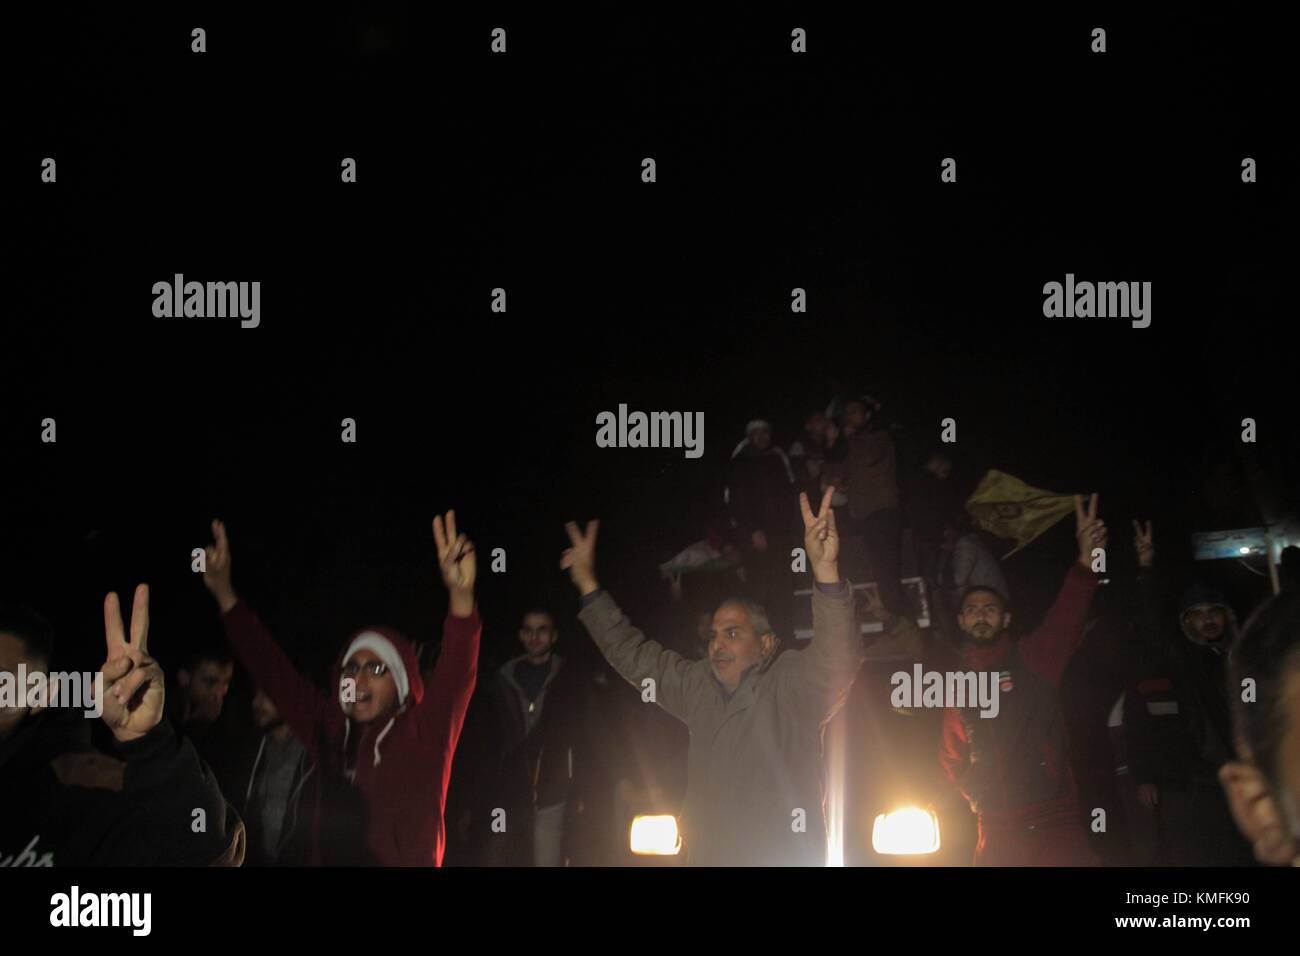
{"x": 719, "y": 723}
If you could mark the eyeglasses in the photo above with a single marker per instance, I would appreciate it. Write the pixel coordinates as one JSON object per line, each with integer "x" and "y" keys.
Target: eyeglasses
{"x": 376, "y": 668}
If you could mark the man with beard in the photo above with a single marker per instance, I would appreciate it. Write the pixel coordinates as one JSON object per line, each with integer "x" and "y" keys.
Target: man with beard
{"x": 1013, "y": 768}
{"x": 1177, "y": 723}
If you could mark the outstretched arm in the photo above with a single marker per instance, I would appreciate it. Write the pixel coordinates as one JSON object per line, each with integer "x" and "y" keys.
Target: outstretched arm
{"x": 452, "y": 684}
{"x": 637, "y": 658}
{"x": 300, "y": 702}
{"x": 1048, "y": 650}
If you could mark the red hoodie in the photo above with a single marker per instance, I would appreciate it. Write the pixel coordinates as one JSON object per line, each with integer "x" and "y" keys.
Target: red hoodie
{"x": 402, "y": 794}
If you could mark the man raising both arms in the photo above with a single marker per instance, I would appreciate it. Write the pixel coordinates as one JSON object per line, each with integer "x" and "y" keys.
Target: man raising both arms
{"x": 754, "y": 786}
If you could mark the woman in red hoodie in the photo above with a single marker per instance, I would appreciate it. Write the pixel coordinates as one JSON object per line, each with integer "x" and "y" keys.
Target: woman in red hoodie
{"x": 382, "y": 741}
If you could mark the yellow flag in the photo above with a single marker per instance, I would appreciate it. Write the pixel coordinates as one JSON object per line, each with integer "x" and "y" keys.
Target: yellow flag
{"x": 1007, "y": 507}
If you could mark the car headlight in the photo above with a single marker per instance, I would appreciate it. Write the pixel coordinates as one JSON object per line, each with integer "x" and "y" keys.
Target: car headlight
{"x": 910, "y": 831}
{"x": 655, "y": 835}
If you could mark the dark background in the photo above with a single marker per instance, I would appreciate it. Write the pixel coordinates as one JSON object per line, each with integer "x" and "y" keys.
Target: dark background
{"x": 522, "y": 171}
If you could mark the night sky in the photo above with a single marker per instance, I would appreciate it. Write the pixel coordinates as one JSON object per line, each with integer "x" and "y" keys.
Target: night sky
{"x": 523, "y": 171}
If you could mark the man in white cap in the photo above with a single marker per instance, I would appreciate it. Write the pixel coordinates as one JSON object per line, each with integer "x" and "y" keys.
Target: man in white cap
{"x": 760, "y": 488}
{"x": 382, "y": 740}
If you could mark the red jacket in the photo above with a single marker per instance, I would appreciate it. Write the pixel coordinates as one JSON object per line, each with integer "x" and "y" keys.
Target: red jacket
{"x": 1017, "y": 770}
{"x": 392, "y": 814}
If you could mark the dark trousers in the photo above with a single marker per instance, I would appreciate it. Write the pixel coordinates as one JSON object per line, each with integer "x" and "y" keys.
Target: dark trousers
{"x": 1195, "y": 827}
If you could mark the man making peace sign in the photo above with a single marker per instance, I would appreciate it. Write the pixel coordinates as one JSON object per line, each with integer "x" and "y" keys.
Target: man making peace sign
{"x": 754, "y": 795}
{"x": 1013, "y": 768}
{"x": 383, "y": 736}
{"x": 147, "y": 801}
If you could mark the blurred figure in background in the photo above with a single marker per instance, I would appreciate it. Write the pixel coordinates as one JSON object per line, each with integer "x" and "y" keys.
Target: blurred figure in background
{"x": 866, "y": 457}
{"x": 1177, "y": 721}
{"x": 279, "y": 773}
{"x": 758, "y": 494}
{"x": 535, "y": 710}
{"x": 1263, "y": 782}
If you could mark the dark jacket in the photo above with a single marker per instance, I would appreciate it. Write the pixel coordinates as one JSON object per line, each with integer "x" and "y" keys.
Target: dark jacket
{"x": 537, "y": 741}
{"x": 391, "y": 813}
{"x": 1177, "y": 724}
{"x": 754, "y": 769}
{"x": 65, "y": 803}
{"x": 1014, "y": 768}
{"x": 869, "y": 463}
{"x": 759, "y": 494}
{"x": 292, "y": 844}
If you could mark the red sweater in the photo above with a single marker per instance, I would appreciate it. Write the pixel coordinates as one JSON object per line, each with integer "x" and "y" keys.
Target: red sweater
{"x": 403, "y": 796}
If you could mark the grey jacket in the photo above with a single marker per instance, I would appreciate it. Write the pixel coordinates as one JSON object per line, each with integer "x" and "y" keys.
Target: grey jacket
{"x": 755, "y": 759}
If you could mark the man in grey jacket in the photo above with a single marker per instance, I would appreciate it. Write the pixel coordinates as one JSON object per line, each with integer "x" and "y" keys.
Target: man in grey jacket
{"x": 754, "y": 786}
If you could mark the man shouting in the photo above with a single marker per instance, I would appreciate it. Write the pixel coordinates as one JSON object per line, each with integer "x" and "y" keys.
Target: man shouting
{"x": 754, "y": 789}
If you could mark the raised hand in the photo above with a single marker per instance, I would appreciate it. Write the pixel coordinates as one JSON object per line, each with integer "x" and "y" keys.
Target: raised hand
{"x": 217, "y": 576}
{"x": 1143, "y": 544}
{"x": 457, "y": 562}
{"x": 133, "y": 681}
{"x": 821, "y": 539}
{"x": 1091, "y": 531}
{"x": 579, "y": 559}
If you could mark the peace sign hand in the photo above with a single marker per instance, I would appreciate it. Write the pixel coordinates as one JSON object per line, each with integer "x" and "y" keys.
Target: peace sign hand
{"x": 1091, "y": 531}
{"x": 133, "y": 681}
{"x": 820, "y": 537}
{"x": 456, "y": 562}
{"x": 579, "y": 559}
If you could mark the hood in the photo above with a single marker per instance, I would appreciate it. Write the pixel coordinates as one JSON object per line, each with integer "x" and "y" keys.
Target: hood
{"x": 410, "y": 662}
{"x": 1200, "y": 594}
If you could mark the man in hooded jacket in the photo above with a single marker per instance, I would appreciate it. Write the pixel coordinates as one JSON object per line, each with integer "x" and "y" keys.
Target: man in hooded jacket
{"x": 382, "y": 741}
{"x": 1178, "y": 725}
